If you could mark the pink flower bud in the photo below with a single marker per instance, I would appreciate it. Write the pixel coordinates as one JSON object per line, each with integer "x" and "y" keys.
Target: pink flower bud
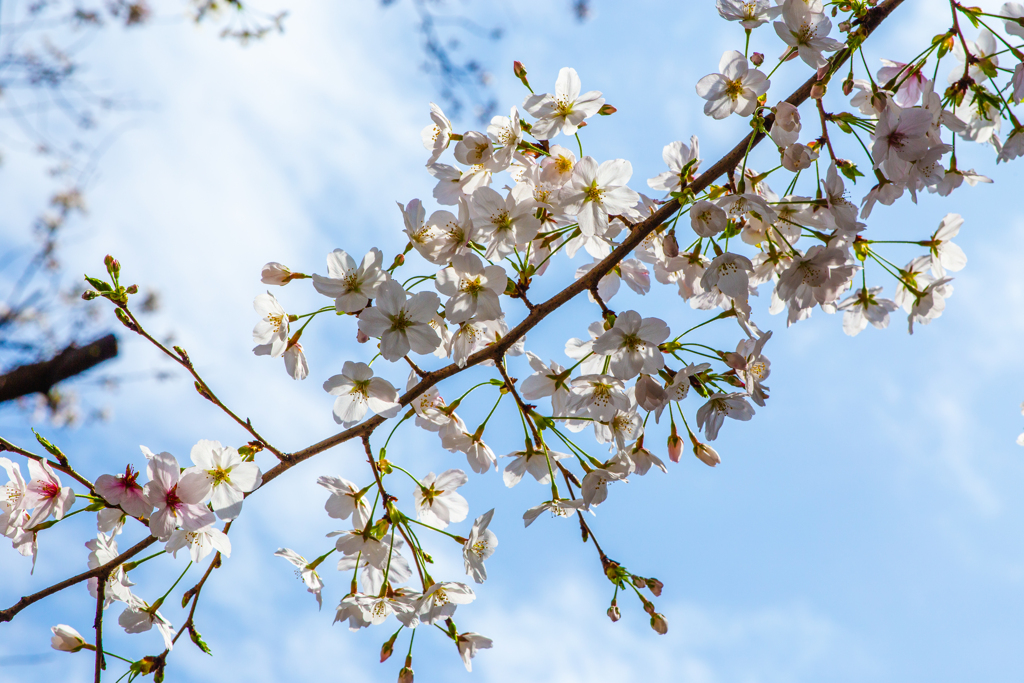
{"x": 675, "y": 445}
{"x": 275, "y": 274}
{"x": 614, "y": 614}
{"x": 706, "y": 454}
{"x": 757, "y": 59}
{"x": 607, "y": 110}
{"x": 361, "y": 337}
{"x": 659, "y": 624}
{"x": 655, "y": 586}
{"x": 405, "y": 675}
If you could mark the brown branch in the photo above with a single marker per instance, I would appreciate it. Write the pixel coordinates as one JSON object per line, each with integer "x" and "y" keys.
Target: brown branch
{"x": 39, "y": 378}
{"x": 6, "y": 445}
{"x": 640, "y": 231}
{"x": 181, "y": 358}
{"x": 101, "y": 585}
{"x": 102, "y": 570}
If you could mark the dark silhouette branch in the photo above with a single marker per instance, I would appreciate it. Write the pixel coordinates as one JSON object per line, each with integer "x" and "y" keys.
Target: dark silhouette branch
{"x": 39, "y": 378}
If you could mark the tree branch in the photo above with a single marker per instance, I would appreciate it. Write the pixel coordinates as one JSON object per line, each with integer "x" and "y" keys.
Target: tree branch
{"x": 39, "y": 378}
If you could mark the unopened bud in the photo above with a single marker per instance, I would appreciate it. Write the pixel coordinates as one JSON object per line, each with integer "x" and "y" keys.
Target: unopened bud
{"x": 388, "y": 648}
{"x": 655, "y": 586}
{"x": 706, "y": 454}
{"x": 845, "y": 26}
{"x": 818, "y": 91}
{"x": 614, "y": 614}
{"x": 132, "y": 289}
{"x": 113, "y": 267}
{"x": 659, "y": 623}
{"x": 362, "y": 337}
{"x": 607, "y": 110}
{"x": 520, "y": 71}
{"x": 639, "y": 581}
{"x": 675, "y": 445}
{"x": 405, "y": 675}
{"x": 757, "y": 59}
{"x": 670, "y": 245}
{"x": 89, "y": 295}
{"x": 848, "y": 86}
{"x": 275, "y": 273}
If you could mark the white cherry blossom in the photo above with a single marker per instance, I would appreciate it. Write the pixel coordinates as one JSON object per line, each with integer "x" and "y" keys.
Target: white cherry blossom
{"x": 437, "y": 503}
{"x": 350, "y": 285}
{"x": 358, "y": 391}
{"x": 401, "y": 321}
{"x": 565, "y": 110}
{"x": 479, "y": 546}
{"x": 734, "y": 90}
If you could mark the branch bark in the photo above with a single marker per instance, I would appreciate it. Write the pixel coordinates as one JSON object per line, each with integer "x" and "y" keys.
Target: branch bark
{"x": 41, "y": 377}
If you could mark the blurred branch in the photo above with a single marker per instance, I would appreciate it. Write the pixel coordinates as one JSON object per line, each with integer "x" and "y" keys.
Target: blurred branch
{"x": 41, "y": 377}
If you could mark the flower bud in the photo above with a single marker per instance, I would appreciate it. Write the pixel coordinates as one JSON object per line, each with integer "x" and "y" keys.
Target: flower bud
{"x": 649, "y": 394}
{"x": 362, "y": 337}
{"x": 607, "y": 110}
{"x": 639, "y": 581}
{"x": 405, "y": 675}
{"x": 659, "y": 624}
{"x": 113, "y": 266}
{"x": 706, "y": 454}
{"x": 520, "y": 72}
{"x": 848, "y": 86}
{"x": 132, "y": 289}
{"x": 89, "y": 295}
{"x": 655, "y": 586}
{"x": 757, "y": 59}
{"x": 675, "y": 445}
{"x": 67, "y": 639}
{"x": 818, "y": 91}
{"x": 613, "y": 613}
{"x": 275, "y": 273}
{"x": 388, "y": 648}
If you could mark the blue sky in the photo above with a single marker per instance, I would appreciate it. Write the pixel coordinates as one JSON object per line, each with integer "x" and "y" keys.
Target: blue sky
{"x": 863, "y": 526}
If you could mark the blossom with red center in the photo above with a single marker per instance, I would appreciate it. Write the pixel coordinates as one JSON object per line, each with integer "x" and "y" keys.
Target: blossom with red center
{"x": 177, "y": 502}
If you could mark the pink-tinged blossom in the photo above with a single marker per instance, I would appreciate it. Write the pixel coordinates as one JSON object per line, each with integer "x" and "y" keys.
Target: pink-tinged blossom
{"x": 472, "y": 289}
{"x": 437, "y": 503}
{"x": 440, "y": 600}
{"x": 565, "y": 110}
{"x": 226, "y": 476}
{"x": 945, "y": 254}
{"x": 807, "y": 31}
{"x": 178, "y": 499}
{"x": 358, "y": 391}
{"x": 402, "y": 322}
{"x": 750, "y": 13}
{"x": 632, "y": 343}
{"x": 707, "y": 219}
{"x": 12, "y": 496}
{"x": 124, "y": 491}
{"x": 596, "y": 191}
{"x": 786, "y": 128}
{"x": 712, "y": 414}
{"x": 103, "y": 549}
{"x": 1013, "y": 147}
{"x": 304, "y": 571}
{"x": 598, "y": 396}
{"x": 1014, "y": 11}
{"x": 865, "y": 307}
{"x": 275, "y": 273}
{"x": 351, "y": 285}
{"x": 479, "y": 546}
{"x": 468, "y": 644}
{"x": 900, "y": 139}
{"x": 200, "y": 543}
{"x": 141, "y": 617}
{"x": 730, "y": 273}
{"x": 557, "y": 508}
{"x": 45, "y": 493}
{"x": 734, "y": 90}
{"x": 295, "y": 361}
{"x": 532, "y": 460}
{"x": 752, "y": 366}
{"x": 913, "y": 81}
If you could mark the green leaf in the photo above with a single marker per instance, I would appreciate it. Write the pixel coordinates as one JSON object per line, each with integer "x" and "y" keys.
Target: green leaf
{"x": 98, "y": 285}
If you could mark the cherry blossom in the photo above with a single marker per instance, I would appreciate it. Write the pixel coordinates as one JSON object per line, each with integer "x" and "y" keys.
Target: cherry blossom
{"x": 227, "y": 478}
{"x": 67, "y": 639}
{"x": 306, "y": 572}
{"x": 350, "y": 285}
{"x": 200, "y": 543}
{"x": 440, "y": 600}
{"x": 271, "y": 333}
{"x": 734, "y": 90}
{"x": 479, "y": 546}
{"x": 469, "y": 643}
{"x": 632, "y": 344}
{"x": 45, "y": 494}
{"x": 402, "y": 322}
{"x": 472, "y": 289}
{"x": 437, "y": 503}
{"x": 565, "y": 110}
{"x": 596, "y": 191}
{"x": 865, "y": 307}
{"x": 806, "y": 30}
{"x": 437, "y": 134}
{"x": 358, "y": 391}
{"x": 124, "y": 491}
{"x": 178, "y": 501}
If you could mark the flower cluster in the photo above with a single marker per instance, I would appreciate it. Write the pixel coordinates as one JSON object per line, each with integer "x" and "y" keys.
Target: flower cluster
{"x": 514, "y": 205}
